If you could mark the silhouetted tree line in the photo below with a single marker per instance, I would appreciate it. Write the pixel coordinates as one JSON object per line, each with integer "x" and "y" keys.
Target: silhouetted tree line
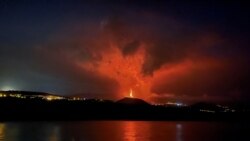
{"x": 92, "y": 109}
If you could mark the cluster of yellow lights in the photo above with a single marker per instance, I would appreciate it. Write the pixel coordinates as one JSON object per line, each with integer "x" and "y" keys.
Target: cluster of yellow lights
{"x": 12, "y": 95}
{"x": 50, "y": 98}
{"x": 3, "y": 95}
{"x": 17, "y": 95}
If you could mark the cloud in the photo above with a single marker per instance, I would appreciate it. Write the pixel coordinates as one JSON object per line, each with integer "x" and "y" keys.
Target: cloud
{"x": 130, "y": 48}
{"x": 206, "y": 79}
{"x": 181, "y": 62}
{"x": 159, "y": 54}
{"x": 63, "y": 56}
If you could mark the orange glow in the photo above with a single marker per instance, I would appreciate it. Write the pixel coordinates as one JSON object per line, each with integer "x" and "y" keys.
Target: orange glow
{"x": 130, "y": 131}
{"x": 126, "y": 70}
{"x": 136, "y": 130}
{"x": 2, "y": 131}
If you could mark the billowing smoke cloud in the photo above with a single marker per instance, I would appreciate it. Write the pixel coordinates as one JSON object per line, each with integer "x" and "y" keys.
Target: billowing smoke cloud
{"x": 130, "y": 48}
{"x": 153, "y": 50}
{"x": 185, "y": 62}
{"x": 182, "y": 62}
{"x": 208, "y": 80}
{"x": 64, "y": 56}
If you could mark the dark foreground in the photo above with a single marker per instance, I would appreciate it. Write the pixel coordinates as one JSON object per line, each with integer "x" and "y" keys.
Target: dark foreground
{"x": 13, "y": 109}
{"x": 124, "y": 131}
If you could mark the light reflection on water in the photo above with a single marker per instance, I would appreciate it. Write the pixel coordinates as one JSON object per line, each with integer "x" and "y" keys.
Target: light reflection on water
{"x": 123, "y": 131}
{"x": 129, "y": 131}
{"x": 2, "y": 131}
{"x": 29, "y": 131}
{"x": 136, "y": 131}
{"x": 178, "y": 132}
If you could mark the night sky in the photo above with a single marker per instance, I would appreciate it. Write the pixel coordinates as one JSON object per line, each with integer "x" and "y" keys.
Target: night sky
{"x": 163, "y": 51}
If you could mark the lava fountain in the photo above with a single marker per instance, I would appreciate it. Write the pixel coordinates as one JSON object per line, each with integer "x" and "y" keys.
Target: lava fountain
{"x": 131, "y": 93}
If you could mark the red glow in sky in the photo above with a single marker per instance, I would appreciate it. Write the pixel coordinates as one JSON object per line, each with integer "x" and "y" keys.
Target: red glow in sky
{"x": 163, "y": 51}
{"x": 126, "y": 70}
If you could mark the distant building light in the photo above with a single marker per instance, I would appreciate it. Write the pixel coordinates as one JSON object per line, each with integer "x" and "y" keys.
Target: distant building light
{"x": 175, "y": 103}
{"x": 51, "y": 97}
{"x": 3, "y": 95}
{"x": 208, "y": 111}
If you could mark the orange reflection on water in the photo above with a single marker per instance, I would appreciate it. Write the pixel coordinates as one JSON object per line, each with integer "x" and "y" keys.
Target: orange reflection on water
{"x": 54, "y": 134}
{"x": 130, "y": 131}
{"x": 136, "y": 131}
{"x": 2, "y": 131}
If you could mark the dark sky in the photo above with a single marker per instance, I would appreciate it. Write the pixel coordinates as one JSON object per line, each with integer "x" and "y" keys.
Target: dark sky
{"x": 178, "y": 51}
